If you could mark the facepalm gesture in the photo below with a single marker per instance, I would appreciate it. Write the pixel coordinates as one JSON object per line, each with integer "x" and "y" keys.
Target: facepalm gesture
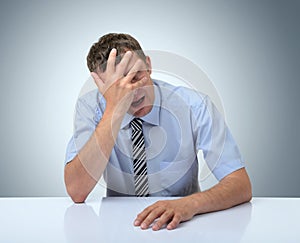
{"x": 119, "y": 82}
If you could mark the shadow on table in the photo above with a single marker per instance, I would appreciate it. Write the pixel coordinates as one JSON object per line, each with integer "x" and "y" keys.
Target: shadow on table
{"x": 81, "y": 224}
{"x": 115, "y": 224}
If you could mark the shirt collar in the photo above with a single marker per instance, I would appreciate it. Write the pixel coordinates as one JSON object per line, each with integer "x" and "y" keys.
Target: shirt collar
{"x": 152, "y": 117}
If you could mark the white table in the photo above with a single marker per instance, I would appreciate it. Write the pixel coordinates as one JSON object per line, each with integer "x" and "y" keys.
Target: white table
{"x": 111, "y": 220}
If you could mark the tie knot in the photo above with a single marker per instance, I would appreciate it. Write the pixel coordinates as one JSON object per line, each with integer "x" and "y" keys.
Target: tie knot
{"x": 136, "y": 124}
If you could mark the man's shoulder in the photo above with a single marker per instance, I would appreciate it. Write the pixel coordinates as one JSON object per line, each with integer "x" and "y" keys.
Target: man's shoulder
{"x": 89, "y": 97}
{"x": 174, "y": 93}
{"x": 91, "y": 100}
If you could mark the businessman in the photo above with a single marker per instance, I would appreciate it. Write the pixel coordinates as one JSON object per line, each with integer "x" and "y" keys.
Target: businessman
{"x": 142, "y": 135}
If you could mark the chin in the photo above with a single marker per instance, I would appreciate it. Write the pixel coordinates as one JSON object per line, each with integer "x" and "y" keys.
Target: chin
{"x": 142, "y": 112}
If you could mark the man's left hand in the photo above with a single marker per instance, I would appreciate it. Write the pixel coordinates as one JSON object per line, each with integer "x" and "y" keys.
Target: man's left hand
{"x": 166, "y": 212}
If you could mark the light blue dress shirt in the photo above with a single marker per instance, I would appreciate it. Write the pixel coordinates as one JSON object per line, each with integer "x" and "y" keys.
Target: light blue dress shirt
{"x": 181, "y": 122}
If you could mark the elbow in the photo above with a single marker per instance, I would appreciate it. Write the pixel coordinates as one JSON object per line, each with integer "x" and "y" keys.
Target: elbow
{"x": 248, "y": 196}
{"x": 78, "y": 199}
{"x": 75, "y": 196}
{"x": 74, "y": 191}
{"x": 245, "y": 186}
{"x": 248, "y": 191}
{"x": 73, "y": 187}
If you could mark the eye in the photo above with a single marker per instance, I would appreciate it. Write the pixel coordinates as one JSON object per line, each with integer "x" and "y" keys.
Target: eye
{"x": 140, "y": 74}
{"x": 137, "y": 76}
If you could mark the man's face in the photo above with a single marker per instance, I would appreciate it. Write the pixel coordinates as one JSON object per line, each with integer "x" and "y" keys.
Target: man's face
{"x": 143, "y": 97}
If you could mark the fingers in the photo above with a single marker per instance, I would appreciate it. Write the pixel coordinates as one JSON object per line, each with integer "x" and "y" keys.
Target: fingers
{"x": 141, "y": 216}
{"x": 138, "y": 66}
{"x": 152, "y": 216}
{"x": 158, "y": 215}
{"x": 121, "y": 67}
{"x": 167, "y": 213}
{"x": 162, "y": 215}
{"x": 139, "y": 83}
{"x": 164, "y": 218}
{"x": 97, "y": 80}
{"x": 128, "y": 79}
{"x": 175, "y": 222}
{"x": 110, "y": 65}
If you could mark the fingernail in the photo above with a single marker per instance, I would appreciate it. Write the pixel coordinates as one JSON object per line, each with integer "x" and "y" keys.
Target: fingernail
{"x": 169, "y": 227}
{"x": 136, "y": 222}
{"x": 155, "y": 227}
{"x": 143, "y": 226}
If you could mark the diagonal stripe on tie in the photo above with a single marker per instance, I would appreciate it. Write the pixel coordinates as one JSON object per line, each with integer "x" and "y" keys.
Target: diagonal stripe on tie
{"x": 141, "y": 170}
{"x": 139, "y": 159}
{"x": 140, "y": 180}
{"x": 138, "y": 139}
{"x": 137, "y": 163}
{"x": 138, "y": 154}
{"x": 143, "y": 188}
{"x": 137, "y": 148}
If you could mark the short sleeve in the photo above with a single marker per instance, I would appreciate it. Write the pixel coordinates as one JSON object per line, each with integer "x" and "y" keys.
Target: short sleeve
{"x": 86, "y": 117}
{"x": 213, "y": 137}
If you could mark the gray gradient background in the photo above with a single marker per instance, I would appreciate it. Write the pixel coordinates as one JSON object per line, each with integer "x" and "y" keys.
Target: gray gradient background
{"x": 249, "y": 49}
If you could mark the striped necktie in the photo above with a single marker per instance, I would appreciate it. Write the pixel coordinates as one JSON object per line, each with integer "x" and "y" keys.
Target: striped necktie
{"x": 139, "y": 159}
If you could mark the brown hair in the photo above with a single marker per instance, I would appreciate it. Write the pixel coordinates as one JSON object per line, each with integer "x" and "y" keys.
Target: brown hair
{"x": 100, "y": 50}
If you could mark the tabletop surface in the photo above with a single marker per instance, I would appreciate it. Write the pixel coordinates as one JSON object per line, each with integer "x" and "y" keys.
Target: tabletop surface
{"x": 111, "y": 220}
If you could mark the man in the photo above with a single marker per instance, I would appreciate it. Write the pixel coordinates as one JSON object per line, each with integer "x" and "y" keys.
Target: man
{"x": 174, "y": 123}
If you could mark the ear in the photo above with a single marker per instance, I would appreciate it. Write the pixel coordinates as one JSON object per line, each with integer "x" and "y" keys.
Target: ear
{"x": 149, "y": 66}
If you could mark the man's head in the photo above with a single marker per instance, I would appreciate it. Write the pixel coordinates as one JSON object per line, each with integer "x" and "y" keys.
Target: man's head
{"x": 97, "y": 62}
{"x": 100, "y": 50}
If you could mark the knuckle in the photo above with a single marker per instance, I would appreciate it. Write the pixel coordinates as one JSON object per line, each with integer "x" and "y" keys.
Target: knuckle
{"x": 169, "y": 213}
{"x": 158, "y": 224}
{"x": 165, "y": 218}
{"x": 123, "y": 85}
{"x": 147, "y": 221}
{"x": 177, "y": 218}
{"x": 155, "y": 212}
{"x": 147, "y": 210}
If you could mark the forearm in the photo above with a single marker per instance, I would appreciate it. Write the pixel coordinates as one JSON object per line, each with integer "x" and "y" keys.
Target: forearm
{"x": 84, "y": 171}
{"x": 230, "y": 191}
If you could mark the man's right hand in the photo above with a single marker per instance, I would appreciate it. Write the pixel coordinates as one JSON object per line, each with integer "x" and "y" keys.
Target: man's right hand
{"x": 116, "y": 85}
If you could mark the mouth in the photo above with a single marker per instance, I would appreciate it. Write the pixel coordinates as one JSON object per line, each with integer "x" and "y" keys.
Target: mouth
{"x": 138, "y": 102}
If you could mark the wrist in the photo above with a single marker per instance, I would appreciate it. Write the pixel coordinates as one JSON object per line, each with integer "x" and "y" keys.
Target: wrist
{"x": 116, "y": 110}
{"x": 196, "y": 203}
{"x": 113, "y": 116}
